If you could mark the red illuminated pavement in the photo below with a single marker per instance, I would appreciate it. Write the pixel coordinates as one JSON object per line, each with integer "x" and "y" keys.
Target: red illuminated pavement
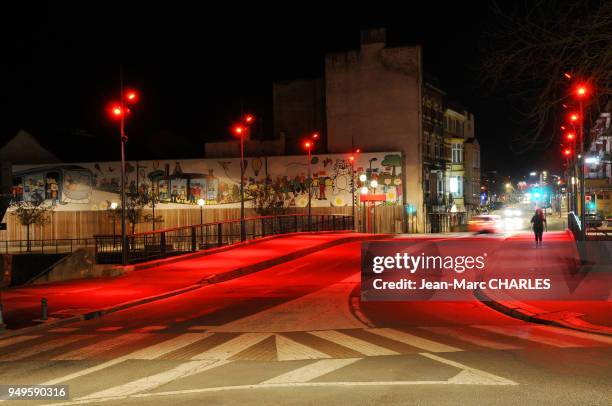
{"x": 518, "y": 257}
{"x": 296, "y": 333}
{"x": 22, "y": 305}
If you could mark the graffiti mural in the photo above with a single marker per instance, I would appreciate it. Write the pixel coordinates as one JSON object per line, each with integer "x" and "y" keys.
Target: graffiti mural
{"x": 181, "y": 183}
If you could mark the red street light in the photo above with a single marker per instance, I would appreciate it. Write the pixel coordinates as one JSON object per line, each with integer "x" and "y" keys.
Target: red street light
{"x": 574, "y": 117}
{"x": 116, "y": 111}
{"x": 307, "y": 144}
{"x": 581, "y": 91}
{"x": 567, "y": 152}
{"x": 315, "y": 136}
{"x": 249, "y": 118}
{"x": 570, "y": 136}
{"x": 238, "y": 130}
{"x": 131, "y": 96}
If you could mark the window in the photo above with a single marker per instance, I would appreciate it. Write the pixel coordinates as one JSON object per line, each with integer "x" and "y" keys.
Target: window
{"x": 457, "y": 153}
{"x": 456, "y": 186}
{"x": 476, "y": 159}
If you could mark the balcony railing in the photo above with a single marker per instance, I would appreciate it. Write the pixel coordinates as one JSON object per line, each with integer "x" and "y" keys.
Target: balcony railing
{"x": 181, "y": 240}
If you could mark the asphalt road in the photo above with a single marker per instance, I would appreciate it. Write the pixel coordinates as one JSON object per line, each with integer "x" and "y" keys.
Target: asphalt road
{"x": 296, "y": 334}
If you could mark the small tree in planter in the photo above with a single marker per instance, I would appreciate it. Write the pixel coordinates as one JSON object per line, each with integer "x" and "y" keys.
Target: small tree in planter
{"x": 32, "y": 212}
{"x": 135, "y": 204}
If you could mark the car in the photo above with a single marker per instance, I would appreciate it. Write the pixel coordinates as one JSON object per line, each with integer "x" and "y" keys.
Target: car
{"x": 485, "y": 223}
{"x": 593, "y": 220}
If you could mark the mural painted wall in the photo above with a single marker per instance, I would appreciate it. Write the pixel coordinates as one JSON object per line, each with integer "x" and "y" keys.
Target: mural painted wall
{"x": 181, "y": 183}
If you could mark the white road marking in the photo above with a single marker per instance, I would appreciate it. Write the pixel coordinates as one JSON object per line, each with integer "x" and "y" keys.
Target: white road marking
{"x": 470, "y": 375}
{"x": 415, "y": 341}
{"x": 287, "y": 349}
{"x": 353, "y": 343}
{"x": 167, "y": 346}
{"x": 312, "y": 371}
{"x": 99, "y": 348}
{"x": 153, "y": 351}
{"x": 527, "y": 333}
{"x": 471, "y": 338}
{"x": 15, "y": 340}
{"x": 41, "y": 347}
{"x": 233, "y": 346}
{"x": 266, "y": 386}
{"x": 151, "y": 382}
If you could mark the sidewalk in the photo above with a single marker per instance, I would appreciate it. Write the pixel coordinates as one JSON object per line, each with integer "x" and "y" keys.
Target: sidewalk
{"x": 519, "y": 257}
{"x": 86, "y": 297}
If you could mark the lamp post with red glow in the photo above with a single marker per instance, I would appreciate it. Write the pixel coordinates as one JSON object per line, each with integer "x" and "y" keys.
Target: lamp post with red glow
{"x": 241, "y": 130}
{"x": 352, "y": 158}
{"x": 308, "y": 145}
{"x": 118, "y": 111}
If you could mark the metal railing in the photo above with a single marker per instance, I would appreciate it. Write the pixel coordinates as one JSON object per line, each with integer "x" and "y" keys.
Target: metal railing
{"x": 39, "y": 246}
{"x": 181, "y": 240}
{"x": 445, "y": 222}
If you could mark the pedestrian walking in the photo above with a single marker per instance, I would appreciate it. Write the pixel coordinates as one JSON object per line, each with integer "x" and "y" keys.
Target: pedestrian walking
{"x": 538, "y": 220}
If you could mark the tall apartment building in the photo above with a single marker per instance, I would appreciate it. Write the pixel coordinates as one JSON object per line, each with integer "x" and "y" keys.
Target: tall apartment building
{"x": 376, "y": 98}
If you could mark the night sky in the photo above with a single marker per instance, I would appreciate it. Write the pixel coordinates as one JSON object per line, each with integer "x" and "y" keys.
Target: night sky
{"x": 198, "y": 67}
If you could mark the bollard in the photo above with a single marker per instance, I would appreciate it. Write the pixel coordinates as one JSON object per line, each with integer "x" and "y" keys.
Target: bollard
{"x": 43, "y": 305}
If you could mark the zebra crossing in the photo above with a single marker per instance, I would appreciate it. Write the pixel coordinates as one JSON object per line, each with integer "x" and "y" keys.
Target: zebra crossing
{"x": 287, "y": 346}
{"x": 279, "y": 359}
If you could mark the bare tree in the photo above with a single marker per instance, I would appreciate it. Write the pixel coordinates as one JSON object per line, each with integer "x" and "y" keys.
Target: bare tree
{"x": 31, "y": 212}
{"x": 532, "y": 48}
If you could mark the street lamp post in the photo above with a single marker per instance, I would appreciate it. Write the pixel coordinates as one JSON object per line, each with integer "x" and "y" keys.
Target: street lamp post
{"x": 352, "y": 161}
{"x": 373, "y": 185}
{"x": 241, "y": 130}
{"x": 363, "y": 191}
{"x": 309, "y": 144}
{"x": 119, "y": 111}
{"x": 201, "y": 203}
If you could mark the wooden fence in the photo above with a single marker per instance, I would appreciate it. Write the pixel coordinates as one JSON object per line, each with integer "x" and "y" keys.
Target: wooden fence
{"x": 86, "y": 224}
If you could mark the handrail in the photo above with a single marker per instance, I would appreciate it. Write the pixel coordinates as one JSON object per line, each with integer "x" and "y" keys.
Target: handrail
{"x": 184, "y": 239}
{"x": 165, "y": 230}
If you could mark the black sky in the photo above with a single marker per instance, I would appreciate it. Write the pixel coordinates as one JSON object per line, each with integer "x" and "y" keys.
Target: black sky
{"x": 198, "y": 66}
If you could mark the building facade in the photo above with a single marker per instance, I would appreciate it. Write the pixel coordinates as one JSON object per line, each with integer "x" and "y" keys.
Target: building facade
{"x": 375, "y": 98}
{"x": 598, "y": 167}
{"x": 463, "y": 170}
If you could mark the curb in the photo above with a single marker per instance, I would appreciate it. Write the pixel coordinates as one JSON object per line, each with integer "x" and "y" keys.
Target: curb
{"x": 533, "y": 314}
{"x": 213, "y": 279}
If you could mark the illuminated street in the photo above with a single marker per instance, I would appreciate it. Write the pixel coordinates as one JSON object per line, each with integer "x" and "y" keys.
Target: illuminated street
{"x": 297, "y": 330}
{"x": 403, "y": 203}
